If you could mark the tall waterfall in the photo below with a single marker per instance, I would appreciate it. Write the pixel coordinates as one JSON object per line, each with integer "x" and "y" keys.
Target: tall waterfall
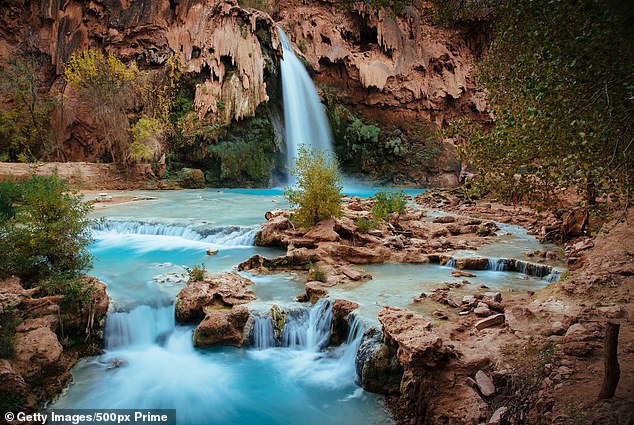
{"x": 304, "y": 115}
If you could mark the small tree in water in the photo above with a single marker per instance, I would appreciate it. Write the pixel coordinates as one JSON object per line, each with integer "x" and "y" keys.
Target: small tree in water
{"x": 316, "y": 194}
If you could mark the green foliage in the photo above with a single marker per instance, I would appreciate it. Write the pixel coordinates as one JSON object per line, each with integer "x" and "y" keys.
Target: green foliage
{"x": 77, "y": 292}
{"x": 24, "y": 123}
{"x": 10, "y": 402}
{"x": 374, "y": 148}
{"x": 315, "y": 273}
{"x": 197, "y": 273}
{"x": 460, "y": 12}
{"x": 244, "y": 153}
{"x": 560, "y": 81}
{"x": 147, "y": 135}
{"x": 267, "y": 6}
{"x": 8, "y": 323}
{"x": 316, "y": 194}
{"x": 388, "y": 202}
{"x": 116, "y": 92}
{"x": 44, "y": 228}
{"x": 365, "y": 225}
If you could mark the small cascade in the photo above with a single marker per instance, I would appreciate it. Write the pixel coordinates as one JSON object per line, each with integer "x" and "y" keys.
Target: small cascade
{"x": 141, "y": 326}
{"x": 262, "y": 335}
{"x": 304, "y": 116}
{"x": 230, "y": 236}
{"x": 356, "y": 329}
{"x": 541, "y": 271}
{"x": 514, "y": 265}
{"x": 308, "y": 330}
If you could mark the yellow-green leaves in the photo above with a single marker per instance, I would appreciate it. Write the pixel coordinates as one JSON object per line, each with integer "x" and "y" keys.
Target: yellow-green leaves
{"x": 316, "y": 194}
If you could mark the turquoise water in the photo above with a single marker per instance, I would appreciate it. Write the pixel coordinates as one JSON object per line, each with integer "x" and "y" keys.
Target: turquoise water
{"x": 141, "y": 253}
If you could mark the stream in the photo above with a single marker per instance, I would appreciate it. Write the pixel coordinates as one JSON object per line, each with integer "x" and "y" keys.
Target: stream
{"x": 141, "y": 252}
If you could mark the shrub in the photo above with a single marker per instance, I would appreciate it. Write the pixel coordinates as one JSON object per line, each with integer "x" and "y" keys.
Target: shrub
{"x": 559, "y": 81}
{"x": 364, "y": 225}
{"x": 317, "y": 195}
{"x": 197, "y": 273}
{"x": 44, "y": 229}
{"x": 147, "y": 138}
{"x": 386, "y": 203}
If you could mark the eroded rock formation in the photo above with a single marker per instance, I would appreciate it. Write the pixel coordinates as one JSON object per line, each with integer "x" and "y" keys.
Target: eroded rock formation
{"x": 39, "y": 356}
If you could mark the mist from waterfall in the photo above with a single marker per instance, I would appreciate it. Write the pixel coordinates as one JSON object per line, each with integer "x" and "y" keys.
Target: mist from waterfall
{"x": 304, "y": 116}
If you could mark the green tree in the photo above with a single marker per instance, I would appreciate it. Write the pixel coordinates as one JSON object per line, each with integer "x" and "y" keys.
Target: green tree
{"x": 108, "y": 86}
{"x": 317, "y": 192}
{"x": 44, "y": 229}
{"x": 560, "y": 83}
{"x": 24, "y": 122}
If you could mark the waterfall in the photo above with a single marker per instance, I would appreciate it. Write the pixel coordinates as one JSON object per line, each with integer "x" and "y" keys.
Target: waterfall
{"x": 262, "y": 335}
{"x": 304, "y": 115}
{"x": 541, "y": 271}
{"x": 230, "y": 236}
{"x": 142, "y": 326}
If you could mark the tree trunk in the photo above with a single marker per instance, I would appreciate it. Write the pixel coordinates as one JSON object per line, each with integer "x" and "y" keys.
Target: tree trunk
{"x": 612, "y": 372}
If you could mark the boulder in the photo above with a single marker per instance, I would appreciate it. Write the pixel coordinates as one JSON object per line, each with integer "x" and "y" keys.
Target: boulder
{"x": 324, "y": 231}
{"x": 444, "y": 219}
{"x": 418, "y": 345}
{"x": 496, "y": 319}
{"x": 339, "y": 329}
{"x": 225, "y": 290}
{"x": 574, "y": 223}
{"x": 272, "y": 232}
{"x": 222, "y": 325}
{"x": 558, "y": 328}
{"x": 37, "y": 351}
{"x": 352, "y": 273}
{"x": 484, "y": 383}
{"x": 493, "y": 296}
{"x": 315, "y": 291}
{"x": 472, "y": 263}
{"x": 482, "y": 310}
{"x": 353, "y": 254}
{"x": 460, "y": 273}
{"x": 577, "y": 341}
{"x": 378, "y": 369}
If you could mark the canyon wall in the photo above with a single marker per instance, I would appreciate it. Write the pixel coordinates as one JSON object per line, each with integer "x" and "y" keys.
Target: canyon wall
{"x": 396, "y": 72}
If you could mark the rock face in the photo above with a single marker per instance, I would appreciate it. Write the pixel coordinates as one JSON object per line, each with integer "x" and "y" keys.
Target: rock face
{"x": 315, "y": 291}
{"x": 232, "y": 49}
{"x": 224, "y": 326}
{"x": 410, "y": 332}
{"x": 339, "y": 329}
{"x": 226, "y": 290}
{"x": 37, "y": 350}
{"x": 404, "y": 66}
{"x": 378, "y": 369}
{"x": 38, "y": 368}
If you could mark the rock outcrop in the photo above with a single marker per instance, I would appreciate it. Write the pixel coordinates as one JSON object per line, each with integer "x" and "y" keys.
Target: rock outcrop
{"x": 223, "y": 291}
{"x": 221, "y": 325}
{"x": 403, "y": 66}
{"x": 340, "y": 328}
{"x": 232, "y": 50}
{"x": 338, "y": 242}
{"x": 39, "y": 362}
